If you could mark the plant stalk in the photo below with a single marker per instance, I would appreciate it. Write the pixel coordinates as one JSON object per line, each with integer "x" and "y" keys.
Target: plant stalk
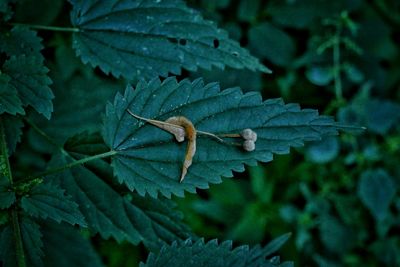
{"x": 6, "y": 171}
{"x": 19, "y": 248}
{"x": 73, "y": 164}
{"x": 336, "y": 64}
{"x": 47, "y": 28}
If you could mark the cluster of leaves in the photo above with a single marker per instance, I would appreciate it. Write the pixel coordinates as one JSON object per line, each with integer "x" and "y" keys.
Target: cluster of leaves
{"x": 100, "y": 181}
{"x": 340, "y": 198}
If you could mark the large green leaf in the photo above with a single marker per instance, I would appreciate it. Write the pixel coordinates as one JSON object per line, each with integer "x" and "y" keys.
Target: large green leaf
{"x": 132, "y": 218}
{"x": 13, "y": 131}
{"x": 21, "y": 41}
{"x": 86, "y": 96}
{"x": 5, "y": 9}
{"x": 64, "y": 246}
{"x": 376, "y": 190}
{"x": 9, "y": 100}
{"x": 49, "y": 201}
{"x": 29, "y": 78}
{"x": 270, "y": 42}
{"x": 7, "y": 195}
{"x": 31, "y": 242}
{"x": 147, "y": 38}
{"x": 149, "y": 160}
{"x": 199, "y": 253}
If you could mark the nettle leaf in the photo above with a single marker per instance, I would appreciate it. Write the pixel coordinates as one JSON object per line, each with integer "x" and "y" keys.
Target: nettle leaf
{"x": 386, "y": 115}
{"x": 87, "y": 105}
{"x": 30, "y": 80}
{"x": 5, "y": 9}
{"x": 13, "y": 131}
{"x": 21, "y": 41}
{"x": 9, "y": 100}
{"x": 64, "y": 246}
{"x": 49, "y": 201}
{"x": 7, "y": 195}
{"x": 150, "y": 38}
{"x": 31, "y": 241}
{"x": 199, "y": 253}
{"x": 272, "y": 43}
{"x": 38, "y": 12}
{"x": 376, "y": 190}
{"x": 149, "y": 160}
{"x": 123, "y": 218}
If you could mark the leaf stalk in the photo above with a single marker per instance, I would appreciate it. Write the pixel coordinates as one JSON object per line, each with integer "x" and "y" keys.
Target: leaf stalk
{"x": 47, "y": 28}
{"x": 6, "y": 171}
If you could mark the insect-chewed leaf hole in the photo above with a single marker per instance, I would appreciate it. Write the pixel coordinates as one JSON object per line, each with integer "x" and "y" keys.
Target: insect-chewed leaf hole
{"x": 173, "y": 40}
{"x": 216, "y": 43}
{"x": 183, "y": 42}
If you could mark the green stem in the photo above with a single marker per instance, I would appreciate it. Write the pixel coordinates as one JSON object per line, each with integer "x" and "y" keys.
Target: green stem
{"x": 19, "y": 248}
{"x": 67, "y": 166}
{"x": 6, "y": 171}
{"x": 4, "y": 162}
{"x": 44, "y": 135}
{"x": 47, "y": 28}
{"x": 336, "y": 66}
{"x": 73, "y": 164}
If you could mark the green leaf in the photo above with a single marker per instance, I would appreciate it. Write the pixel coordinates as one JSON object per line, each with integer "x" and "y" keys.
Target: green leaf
{"x": 143, "y": 39}
{"x": 376, "y": 189}
{"x": 276, "y": 244}
{"x": 5, "y": 9}
{"x": 245, "y": 79}
{"x": 49, "y": 201}
{"x": 9, "y": 100}
{"x": 198, "y": 253}
{"x": 163, "y": 220}
{"x": 149, "y": 160}
{"x": 42, "y": 12}
{"x": 386, "y": 115}
{"x": 87, "y": 105}
{"x": 65, "y": 246}
{"x": 270, "y": 42}
{"x": 323, "y": 151}
{"x": 135, "y": 219}
{"x": 7, "y": 195}
{"x": 21, "y": 41}
{"x": 31, "y": 240}
{"x": 320, "y": 76}
{"x": 335, "y": 236}
{"x": 301, "y": 14}
{"x": 7, "y": 251}
{"x": 29, "y": 78}
{"x": 13, "y": 131}
{"x": 248, "y": 10}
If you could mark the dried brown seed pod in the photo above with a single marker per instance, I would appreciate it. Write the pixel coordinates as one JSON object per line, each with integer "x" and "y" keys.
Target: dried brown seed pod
{"x": 249, "y": 145}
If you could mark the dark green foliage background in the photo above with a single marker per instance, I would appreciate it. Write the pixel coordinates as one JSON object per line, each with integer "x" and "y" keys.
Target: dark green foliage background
{"x": 339, "y": 197}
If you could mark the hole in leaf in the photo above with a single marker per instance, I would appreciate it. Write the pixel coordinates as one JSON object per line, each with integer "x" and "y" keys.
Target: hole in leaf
{"x": 182, "y": 42}
{"x": 216, "y": 43}
{"x": 236, "y": 54}
{"x": 173, "y": 40}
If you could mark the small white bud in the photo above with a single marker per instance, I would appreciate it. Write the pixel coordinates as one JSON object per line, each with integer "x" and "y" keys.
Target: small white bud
{"x": 249, "y": 134}
{"x": 249, "y": 145}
